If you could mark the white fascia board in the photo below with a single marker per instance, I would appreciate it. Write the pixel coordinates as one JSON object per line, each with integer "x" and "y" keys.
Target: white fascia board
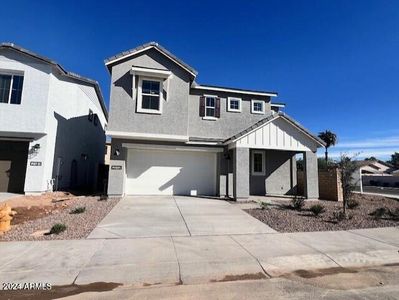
{"x": 147, "y": 136}
{"x": 203, "y": 143}
{"x": 204, "y": 87}
{"x": 170, "y": 147}
{"x": 277, "y": 105}
{"x": 150, "y": 72}
{"x": 145, "y": 49}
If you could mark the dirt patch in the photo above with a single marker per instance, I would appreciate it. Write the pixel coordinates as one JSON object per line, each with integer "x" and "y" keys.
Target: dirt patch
{"x": 253, "y": 276}
{"x": 39, "y": 200}
{"x": 284, "y": 219}
{"x": 25, "y": 214}
{"x": 345, "y": 279}
{"x": 59, "y": 291}
{"x": 31, "y": 222}
{"x": 322, "y": 272}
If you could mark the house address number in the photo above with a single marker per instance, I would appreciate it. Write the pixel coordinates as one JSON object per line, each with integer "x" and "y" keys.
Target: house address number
{"x": 116, "y": 167}
{"x": 35, "y": 163}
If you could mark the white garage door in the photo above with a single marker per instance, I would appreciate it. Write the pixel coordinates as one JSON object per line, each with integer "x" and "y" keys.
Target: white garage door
{"x": 170, "y": 172}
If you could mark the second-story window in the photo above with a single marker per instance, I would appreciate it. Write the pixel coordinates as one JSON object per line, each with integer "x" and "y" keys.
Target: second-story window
{"x": 11, "y": 88}
{"x": 150, "y": 96}
{"x": 257, "y": 107}
{"x": 210, "y": 106}
{"x": 234, "y": 104}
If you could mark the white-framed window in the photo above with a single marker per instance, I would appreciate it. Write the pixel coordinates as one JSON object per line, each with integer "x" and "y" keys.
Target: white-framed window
{"x": 11, "y": 88}
{"x": 257, "y": 107}
{"x": 234, "y": 104}
{"x": 150, "y": 95}
{"x": 258, "y": 165}
{"x": 210, "y": 106}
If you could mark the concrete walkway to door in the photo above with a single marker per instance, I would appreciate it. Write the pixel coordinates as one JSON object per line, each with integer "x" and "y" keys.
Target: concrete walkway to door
{"x": 159, "y": 216}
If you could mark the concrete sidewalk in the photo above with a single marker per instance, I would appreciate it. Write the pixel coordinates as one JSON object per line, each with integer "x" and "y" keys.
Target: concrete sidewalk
{"x": 194, "y": 259}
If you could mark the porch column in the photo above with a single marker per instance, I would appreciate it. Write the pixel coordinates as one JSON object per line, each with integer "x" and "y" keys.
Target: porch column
{"x": 117, "y": 169}
{"x": 241, "y": 173}
{"x": 311, "y": 182}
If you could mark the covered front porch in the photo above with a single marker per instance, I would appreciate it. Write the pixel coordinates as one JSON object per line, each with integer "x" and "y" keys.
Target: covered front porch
{"x": 262, "y": 160}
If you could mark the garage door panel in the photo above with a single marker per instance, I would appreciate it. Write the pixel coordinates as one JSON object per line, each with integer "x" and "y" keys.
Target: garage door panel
{"x": 170, "y": 172}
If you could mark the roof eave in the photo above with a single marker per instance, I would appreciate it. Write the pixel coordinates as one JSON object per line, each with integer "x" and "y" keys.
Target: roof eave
{"x": 125, "y": 54}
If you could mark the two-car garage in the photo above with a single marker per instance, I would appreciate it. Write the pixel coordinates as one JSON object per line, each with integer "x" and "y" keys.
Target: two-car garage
{"x": 171, "y": 171}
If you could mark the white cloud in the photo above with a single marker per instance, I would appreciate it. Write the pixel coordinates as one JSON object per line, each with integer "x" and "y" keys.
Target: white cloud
{"x": 392, "y": 141}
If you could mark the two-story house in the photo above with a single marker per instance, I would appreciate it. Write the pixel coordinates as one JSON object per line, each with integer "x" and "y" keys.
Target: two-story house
{"x": 173, "y": 136}
{"x": 52, "y": 125}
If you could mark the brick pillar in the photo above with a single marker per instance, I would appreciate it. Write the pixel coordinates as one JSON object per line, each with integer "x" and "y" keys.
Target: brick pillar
{"x": 241, "y": 173}
{"x": 311, "y": 182}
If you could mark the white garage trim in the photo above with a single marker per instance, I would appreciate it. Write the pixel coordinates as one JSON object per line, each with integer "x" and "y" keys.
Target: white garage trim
{"x": 170, "y": 147}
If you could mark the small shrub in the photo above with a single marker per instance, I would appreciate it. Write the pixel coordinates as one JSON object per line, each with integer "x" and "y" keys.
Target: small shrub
{"x": 103, "y": 198}
{"x": 317, "y": 209}
{"x": 339, "y": 216}
{"x": 57, "y": 228}
{"x": 397, "y": 184}
{"x": 385, "y": 184}
{"x": 78, "y": 210}
{"x": 380, "y": 213}
{"x": 297, "y": 203}
{"x": 352, "y": 204}
{"x": 264, "y": 205}
{"x": 394, "y": 214}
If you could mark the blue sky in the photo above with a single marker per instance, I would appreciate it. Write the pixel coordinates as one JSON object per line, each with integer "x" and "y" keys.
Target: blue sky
{"x": 334, "y": 63}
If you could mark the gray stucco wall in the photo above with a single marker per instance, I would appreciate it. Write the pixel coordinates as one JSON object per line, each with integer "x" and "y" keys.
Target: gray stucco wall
{"x": 311, "y": 175}
{"x": 280, "y": 176}
{"x": 229, "y": 123}
{"x": 123, "y": 115}
{"x": 180, "y": 115}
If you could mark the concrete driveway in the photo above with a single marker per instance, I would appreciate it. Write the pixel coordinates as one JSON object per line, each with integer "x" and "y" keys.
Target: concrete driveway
{"x": 160, "y": 216}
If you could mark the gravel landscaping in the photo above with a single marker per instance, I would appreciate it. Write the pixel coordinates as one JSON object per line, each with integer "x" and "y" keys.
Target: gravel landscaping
{"x": 283, "y": 218}
{"x": 33, "y": 222}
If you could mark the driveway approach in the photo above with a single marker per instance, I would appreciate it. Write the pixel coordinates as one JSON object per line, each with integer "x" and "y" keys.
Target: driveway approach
{"x": 161, "y": 216}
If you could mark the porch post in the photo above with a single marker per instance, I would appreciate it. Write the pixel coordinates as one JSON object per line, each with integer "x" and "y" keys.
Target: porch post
{"x": 241, "y": 173}
{"x": 311, "y": 182}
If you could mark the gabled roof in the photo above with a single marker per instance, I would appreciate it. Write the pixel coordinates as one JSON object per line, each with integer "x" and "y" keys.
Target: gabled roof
{"x": 61, "y": 70}
{"x": 113, "y": 59}
{"x": 269, "y": 119}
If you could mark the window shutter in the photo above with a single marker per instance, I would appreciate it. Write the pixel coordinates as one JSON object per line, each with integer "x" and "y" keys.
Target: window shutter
{"x": 202, "y": 106}
{"x": 217, "y": 108}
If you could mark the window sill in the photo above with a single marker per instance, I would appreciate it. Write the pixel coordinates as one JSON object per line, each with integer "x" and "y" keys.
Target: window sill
{"x": 258, "y": 174}
{"x": 258, "y": 112}
{"x": 234, "y": 110}
{"x": 209, "y": 118}
{"x": 149, "y": 111}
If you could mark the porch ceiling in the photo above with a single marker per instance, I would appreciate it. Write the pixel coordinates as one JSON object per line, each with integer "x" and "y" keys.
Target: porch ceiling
{"x": 278, "y": 132}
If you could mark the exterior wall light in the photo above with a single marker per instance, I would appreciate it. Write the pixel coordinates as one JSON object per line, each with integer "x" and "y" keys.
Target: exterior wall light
{"x": 117, "y": 152}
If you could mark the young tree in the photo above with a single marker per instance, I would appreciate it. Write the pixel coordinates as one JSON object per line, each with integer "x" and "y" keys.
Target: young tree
{"x": 395, "y": 159}
{"x": 347, "y": 166}
{"x": 330, "y": 138}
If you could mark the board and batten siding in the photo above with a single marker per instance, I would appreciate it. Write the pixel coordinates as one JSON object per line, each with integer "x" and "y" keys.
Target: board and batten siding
{"x": 277, "y": 134}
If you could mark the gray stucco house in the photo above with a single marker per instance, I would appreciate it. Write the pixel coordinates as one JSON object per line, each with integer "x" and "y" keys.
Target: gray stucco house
{"x": 171, "y": 135}
{"x": 52, "y": 125}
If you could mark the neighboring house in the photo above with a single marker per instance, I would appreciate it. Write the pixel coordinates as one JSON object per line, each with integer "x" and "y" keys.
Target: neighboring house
{"x": 52, "y": 125}
{"x": 373, "y": 172}
{"x": 173, "y": 136}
